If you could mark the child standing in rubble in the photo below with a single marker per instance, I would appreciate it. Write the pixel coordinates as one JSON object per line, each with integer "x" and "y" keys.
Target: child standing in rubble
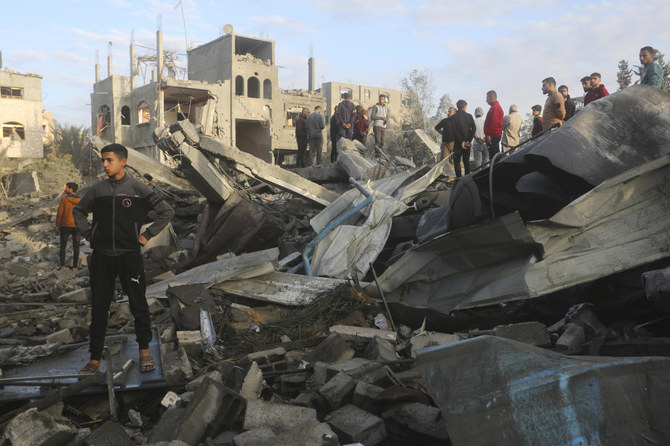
{"x": 119, "y": 205}
{"x": 65, "y": 224}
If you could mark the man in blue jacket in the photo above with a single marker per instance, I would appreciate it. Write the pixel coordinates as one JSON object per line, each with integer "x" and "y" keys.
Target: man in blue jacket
{"x": 653, "y": 72}
{"x": 119, "y": 205}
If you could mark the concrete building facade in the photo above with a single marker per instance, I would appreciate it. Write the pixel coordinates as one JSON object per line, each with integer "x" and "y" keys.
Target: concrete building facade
{"x": 231, "y": 93}
{"x": 21, "y": 115}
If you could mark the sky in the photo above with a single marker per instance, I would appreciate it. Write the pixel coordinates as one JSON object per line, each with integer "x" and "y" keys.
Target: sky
{"x": 469, "y": 47}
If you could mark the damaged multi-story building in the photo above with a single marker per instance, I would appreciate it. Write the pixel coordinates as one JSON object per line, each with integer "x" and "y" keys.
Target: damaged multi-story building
{"x": 231, "y": 92}
{"x": 20, "y": 114}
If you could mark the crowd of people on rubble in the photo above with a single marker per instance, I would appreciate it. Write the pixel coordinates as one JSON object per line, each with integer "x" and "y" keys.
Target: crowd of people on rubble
{"x": 460, "y": 132}
{"x": 348, "y": 121}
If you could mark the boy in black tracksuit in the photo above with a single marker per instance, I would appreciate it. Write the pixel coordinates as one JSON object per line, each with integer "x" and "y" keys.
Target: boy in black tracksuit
{"x": 119, "y": 205}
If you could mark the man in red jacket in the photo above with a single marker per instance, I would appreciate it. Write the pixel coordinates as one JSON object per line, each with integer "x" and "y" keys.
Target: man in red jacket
{"x": 65, "y": 224}
{"x": 597, "y": 90}
{"x": 493, "y": 125}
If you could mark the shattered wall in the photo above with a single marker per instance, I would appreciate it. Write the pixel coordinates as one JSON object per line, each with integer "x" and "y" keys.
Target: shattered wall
{"x": 21, "y": 114}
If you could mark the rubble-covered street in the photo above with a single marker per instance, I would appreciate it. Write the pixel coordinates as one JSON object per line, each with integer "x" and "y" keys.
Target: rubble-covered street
{"x": 370, "y": 301}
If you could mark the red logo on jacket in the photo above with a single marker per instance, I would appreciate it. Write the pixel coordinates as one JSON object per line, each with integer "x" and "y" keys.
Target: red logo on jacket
{"x": 126, "y": 202}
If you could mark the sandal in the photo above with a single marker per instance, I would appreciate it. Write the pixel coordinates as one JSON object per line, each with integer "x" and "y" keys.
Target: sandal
{"x": 147, "y": 363}
{"x": 89, "y": 368}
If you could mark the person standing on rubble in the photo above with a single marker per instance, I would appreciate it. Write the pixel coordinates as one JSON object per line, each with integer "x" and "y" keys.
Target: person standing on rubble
{"x": 361, "y": 126}
{"x": 652, "y": 74}
{"x": 537, "y": 119}
{"x": 301, "y": 136}
{"x": 597, "y": 90}
{"x": 315, "y": 125}
{"x": 463, "y": 128}
{"x": 493, "y": 124}
{"x": 554, "y": 107}
{"x": 380, "y": 118}
{"x": 511, "y": 128}
{"x": 346, "y": 114}
{"x": 119, "y": 205}
{"x": 334, "y": 134}
{"x": 446, "y": 129}
{"x": 570, "y": 107}
{"x": 65, "y": 224}
{"x": 479, "y": 141}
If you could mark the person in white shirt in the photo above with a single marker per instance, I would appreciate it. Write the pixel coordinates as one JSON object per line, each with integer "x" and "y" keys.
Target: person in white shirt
{"x": 479, "y": 147}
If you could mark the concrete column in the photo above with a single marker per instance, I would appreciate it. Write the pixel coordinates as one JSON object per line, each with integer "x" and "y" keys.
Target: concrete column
{"x": 310, "y": 79}
{"x": 97, "y": 72}
{"x": 110, "y": 70}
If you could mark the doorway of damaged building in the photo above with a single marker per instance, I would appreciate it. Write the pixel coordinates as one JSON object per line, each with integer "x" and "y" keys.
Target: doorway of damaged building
{"x": 253, "y": 136}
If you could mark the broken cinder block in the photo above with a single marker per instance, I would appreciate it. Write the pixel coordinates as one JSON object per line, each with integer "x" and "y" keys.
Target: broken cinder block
{"x": 354, "y": 425}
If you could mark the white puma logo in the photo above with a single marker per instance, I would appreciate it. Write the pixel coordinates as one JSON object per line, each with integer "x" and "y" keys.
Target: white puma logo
{"x": 137, "y": 281}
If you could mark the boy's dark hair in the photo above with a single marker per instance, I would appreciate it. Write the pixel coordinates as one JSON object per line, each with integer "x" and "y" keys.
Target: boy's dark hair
{"x": 562, "y": 87}
{"x": 595, "y": 73}
{"x": 549, "y": 80}
{"x": 120, "y": 151}
{"x": 73, "y": 186}
{"x": 461, "y": 104}
{"x": 585, "y": 78}
{"x": 536, "y": 108}
{"x": 649, "y": 49}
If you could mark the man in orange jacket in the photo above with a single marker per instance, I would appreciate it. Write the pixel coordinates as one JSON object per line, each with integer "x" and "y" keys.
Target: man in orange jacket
{"x": 65, "y": 224}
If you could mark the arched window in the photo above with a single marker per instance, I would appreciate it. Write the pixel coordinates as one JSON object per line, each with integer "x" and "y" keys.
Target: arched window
{"x": 13, "y": 129}
{"x": 125, "y": 115}
{"x": 253, "y": 87}
{"x": 267, "y": 89}
{"x": 143, "y": 112}
{"x": 239, "y": 86}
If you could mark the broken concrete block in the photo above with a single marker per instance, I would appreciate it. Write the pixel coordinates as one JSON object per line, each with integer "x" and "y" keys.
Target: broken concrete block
{"x": 170, "y": 399}
{"x": 201, "y": 412}
{"x": 353, "y": 333}
{"x": 380, "y": 350}
{"x": 293, "y": 384}
{"x": 65, "y": 274}
{"x": 254, "y": 437}
{"x": 572, "y": 339}
{"x": 352, "y": 424}
{"x": 583, "y": 315}
{"x": 427, "y": 339}
{"x": 109, "y": 434}
{"x": 21, "y": 268}
{"x": 309, "y": 433}
{"x": 214, "y": 375}
{"x": 253, "y": 383}
{"x": 534, "y": 333}
{"x": 63, "y": 336}
{"x": 416, "y": 423}
{"x": 268, "y": 360}
{"x": 279, "y": 417}
{"x": 34, "y": 428}
{"x": 338, "y": 390}
{"x": 191, "y": 342}
{"x": 40, "y": 227}
{"x": 176, "y": 365}
{"x": 333, "y": 349}
{"x": 166, "y": 428}
{"x": 382, "y": 377}
{"x": 356, "y": 368}
{"x": 134, "y": 418}
{"x": 364, "y": 396}
{"x": 80, "y": 296}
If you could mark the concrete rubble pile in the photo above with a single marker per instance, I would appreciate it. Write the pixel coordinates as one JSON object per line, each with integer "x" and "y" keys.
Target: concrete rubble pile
{"x": 366, "y": 302}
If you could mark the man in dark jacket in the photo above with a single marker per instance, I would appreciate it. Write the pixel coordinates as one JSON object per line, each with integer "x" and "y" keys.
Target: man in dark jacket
{"x": 464, "y": 128}
{"x": 597, "y": 90}
{"x": 334, "y": 135}
{"x": 570, "y": 106}
{"x": 302, "y": 136}
{"x": 445, "y": 129}
{"x": 346, "y": 112}
{"x": 119, "y": 205}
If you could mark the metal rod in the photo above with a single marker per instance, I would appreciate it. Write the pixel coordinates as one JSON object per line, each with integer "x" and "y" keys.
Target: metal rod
{"x": 110, "y": 384}
{"x": 381, "y": 293}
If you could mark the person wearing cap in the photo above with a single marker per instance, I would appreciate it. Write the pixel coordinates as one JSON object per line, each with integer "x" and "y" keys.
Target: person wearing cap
{"x": 511, "y": 128}
{"x": 597, "y": 90}
{"x": 554, "y": 108}
{"x": 570, "y": 107}
{"x": 479, "y": 141}
{"x": 652, "y": 74}
{"x": 493, "y": 124}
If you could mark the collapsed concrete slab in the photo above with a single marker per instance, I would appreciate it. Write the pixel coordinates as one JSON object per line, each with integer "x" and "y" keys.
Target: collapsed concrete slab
{"x": 533, "y": 396}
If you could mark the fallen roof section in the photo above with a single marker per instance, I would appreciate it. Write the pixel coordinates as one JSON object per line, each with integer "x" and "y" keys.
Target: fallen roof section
{"x": 619, "y": 225}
